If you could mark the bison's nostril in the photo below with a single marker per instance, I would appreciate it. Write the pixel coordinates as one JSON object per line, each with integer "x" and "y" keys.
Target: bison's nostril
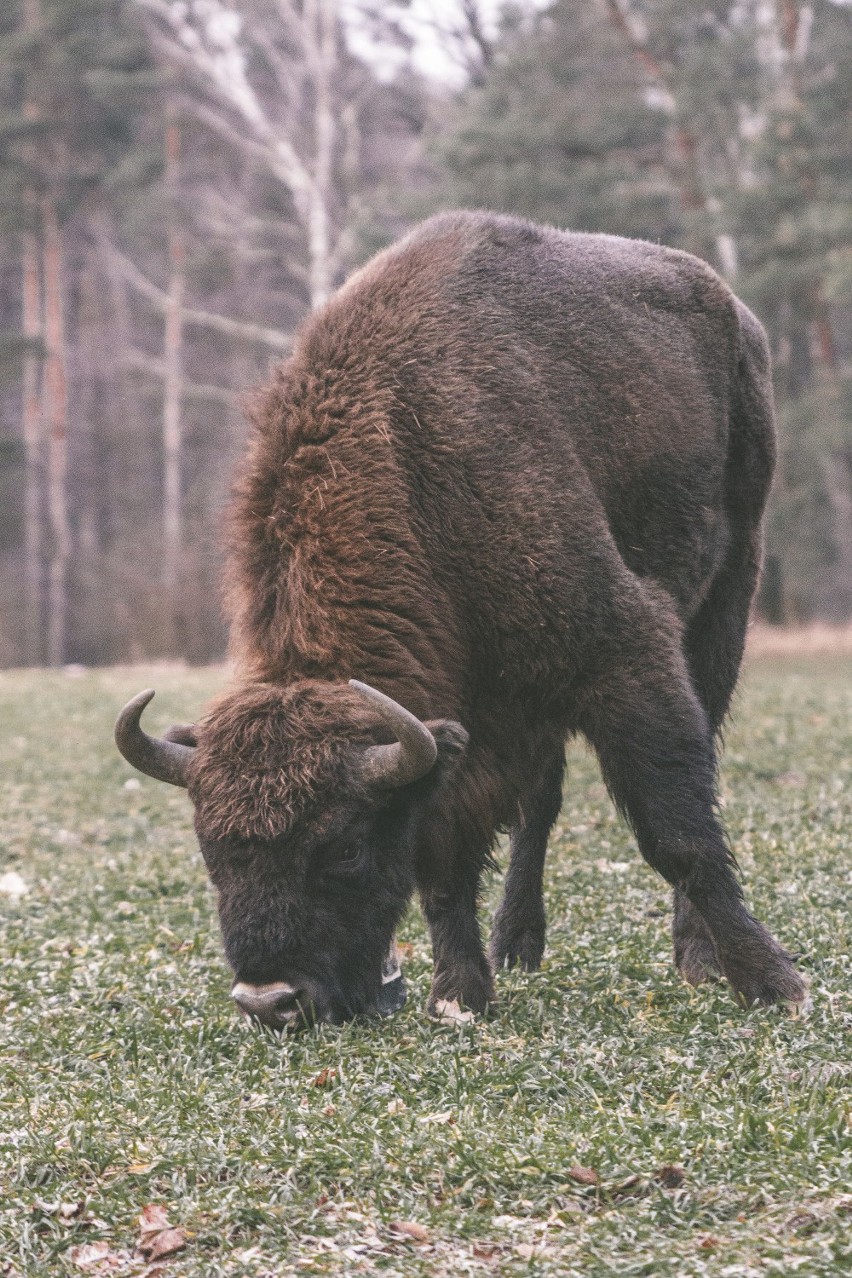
{"x": 277, "y": 1004}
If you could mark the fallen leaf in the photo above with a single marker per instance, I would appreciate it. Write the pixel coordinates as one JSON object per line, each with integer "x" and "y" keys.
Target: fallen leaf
{"x": 324, "y": 1077}
{"x": 670, "y": 1176}
{"x": 157, "y": 1237}
{"x": 584, "y": 1175}
{"x": 96, "y": 1256}
{"x": 165, "y": 1243}
{"x": 410, "y": 1229}
{"x": 709, "y": 1242}
{"x": 152, "y": 1219}
{"x": 405, "y": 948}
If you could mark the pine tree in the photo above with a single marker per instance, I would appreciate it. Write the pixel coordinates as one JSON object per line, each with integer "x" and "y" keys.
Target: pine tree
{"x": 67, "y": 68}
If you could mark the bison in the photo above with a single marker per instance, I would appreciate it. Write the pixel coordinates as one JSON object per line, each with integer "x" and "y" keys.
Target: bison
{"x": 507, "y": 489}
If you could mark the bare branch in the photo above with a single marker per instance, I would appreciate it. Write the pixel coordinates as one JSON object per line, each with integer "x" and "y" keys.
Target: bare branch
{"x": 240, "y": 329}
{"x": 154, "y": 367}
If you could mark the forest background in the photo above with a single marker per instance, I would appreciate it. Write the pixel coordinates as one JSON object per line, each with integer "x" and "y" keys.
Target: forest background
{"x": 182, "y": 181}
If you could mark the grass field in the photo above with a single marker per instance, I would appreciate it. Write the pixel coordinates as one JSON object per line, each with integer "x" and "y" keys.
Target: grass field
{"x": 607, "y": 1120}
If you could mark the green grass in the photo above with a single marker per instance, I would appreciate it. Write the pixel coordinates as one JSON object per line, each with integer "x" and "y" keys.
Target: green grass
{"x": 126, "y": 1078}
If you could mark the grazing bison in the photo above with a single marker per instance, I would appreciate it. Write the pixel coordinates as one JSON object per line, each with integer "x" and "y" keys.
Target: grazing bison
{"x": 512, "y": 479}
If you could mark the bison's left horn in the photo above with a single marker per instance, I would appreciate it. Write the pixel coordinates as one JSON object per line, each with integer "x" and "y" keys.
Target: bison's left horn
{"x": 163, "y": 760}
{"x": 413, "y": 753}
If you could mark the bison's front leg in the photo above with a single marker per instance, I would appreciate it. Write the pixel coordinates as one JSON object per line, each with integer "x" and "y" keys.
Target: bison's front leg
{"x": 519, "y": 925}
{"x": 461, "y": 971}
{"x": 657, "y": 754}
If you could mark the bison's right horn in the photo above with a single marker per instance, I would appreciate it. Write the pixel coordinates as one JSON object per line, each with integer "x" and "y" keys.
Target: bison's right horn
{"x": 163, "y": 760}
{"x": 413, "y": 753}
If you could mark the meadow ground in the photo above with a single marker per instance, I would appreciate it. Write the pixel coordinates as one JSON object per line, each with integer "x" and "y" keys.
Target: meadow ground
{"x": 607, "y": 1120}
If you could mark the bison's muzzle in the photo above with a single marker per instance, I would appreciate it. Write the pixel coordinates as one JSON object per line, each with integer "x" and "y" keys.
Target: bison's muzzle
{"x": 279, "y": 1005}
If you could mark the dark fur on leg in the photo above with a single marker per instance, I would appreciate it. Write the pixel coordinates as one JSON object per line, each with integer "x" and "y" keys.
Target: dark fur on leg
{"x": 461, "y": 974}
{"x": 519, "y": 925}
{"x": 657, "y": 754}
{"x": 694, "y": 951}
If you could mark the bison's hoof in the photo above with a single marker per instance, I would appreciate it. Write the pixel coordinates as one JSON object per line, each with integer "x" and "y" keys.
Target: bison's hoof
{"x": 470, "y": 989}
{"x": 768, "y": 983}
{"x": 524, "y": 949}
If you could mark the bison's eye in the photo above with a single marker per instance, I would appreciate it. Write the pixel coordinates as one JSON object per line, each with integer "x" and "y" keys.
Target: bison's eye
{"x": 345, "y": 858}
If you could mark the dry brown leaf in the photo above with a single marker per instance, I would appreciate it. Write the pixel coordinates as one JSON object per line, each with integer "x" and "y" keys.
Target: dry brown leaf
{"x": 583, "y": 1175}
{"x": 324, "y": 1077}
{"x": 410, "y": 1229}
{"x": 153, "y": 1218}
{"x": 96, "y": 1256}
{"x": 670, "y": 1176}
{"x": 709, "y": 1242}
{"x": 405, "y": 948}
{"x": 157, "y": 1237}
{"x": 165, "y": 1243}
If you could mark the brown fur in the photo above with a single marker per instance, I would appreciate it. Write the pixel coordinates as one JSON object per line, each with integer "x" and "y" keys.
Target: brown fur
{"x": 514, "y": 479}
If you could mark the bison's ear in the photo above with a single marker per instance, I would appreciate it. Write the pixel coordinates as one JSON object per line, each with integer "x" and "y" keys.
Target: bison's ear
{"x": 183, "y": 733}
{"x": 451, "y": 739}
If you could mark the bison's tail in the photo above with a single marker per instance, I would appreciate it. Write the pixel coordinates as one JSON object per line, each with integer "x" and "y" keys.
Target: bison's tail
{"x": 715, "y": 637}
{"x": 751, "y": 449}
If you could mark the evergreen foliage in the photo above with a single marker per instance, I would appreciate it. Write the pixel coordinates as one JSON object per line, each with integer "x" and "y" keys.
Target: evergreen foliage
{"x": 720, "y": 126}
{"x": 723, "y": 128}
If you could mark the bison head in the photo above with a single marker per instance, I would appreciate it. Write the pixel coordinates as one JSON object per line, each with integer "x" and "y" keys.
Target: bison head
{"x": 308, "y": 801}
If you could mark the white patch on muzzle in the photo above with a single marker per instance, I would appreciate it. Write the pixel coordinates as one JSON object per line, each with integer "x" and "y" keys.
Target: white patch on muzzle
{"x": 262, "y": 1002}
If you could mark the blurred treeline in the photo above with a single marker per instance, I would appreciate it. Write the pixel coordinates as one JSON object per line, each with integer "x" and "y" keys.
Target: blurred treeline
{"x": 181, "y": 181}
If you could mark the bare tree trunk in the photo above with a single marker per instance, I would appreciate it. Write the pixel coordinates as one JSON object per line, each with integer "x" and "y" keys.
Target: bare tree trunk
{"x": 56, "y": 413}
{"x": 33, "y": 451}
{"x": 321, "y": 34}
{"x": 33, "y": 422}
{"x": 302, "y": 159}
{"x": 173, "y": 391}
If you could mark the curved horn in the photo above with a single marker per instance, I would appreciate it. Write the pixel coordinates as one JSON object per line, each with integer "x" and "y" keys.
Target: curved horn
{"x": 412, "y": 754}
{"x": 163, "y": 760}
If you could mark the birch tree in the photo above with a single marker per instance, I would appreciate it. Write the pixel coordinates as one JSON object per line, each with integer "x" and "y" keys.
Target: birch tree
{"x": 173, "y": 379}
{"x": 272, "y": 80}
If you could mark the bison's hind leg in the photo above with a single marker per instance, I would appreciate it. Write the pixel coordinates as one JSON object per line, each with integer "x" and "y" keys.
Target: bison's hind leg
{"x": 517, "y": 938}
{"x": 656, "y": 747}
